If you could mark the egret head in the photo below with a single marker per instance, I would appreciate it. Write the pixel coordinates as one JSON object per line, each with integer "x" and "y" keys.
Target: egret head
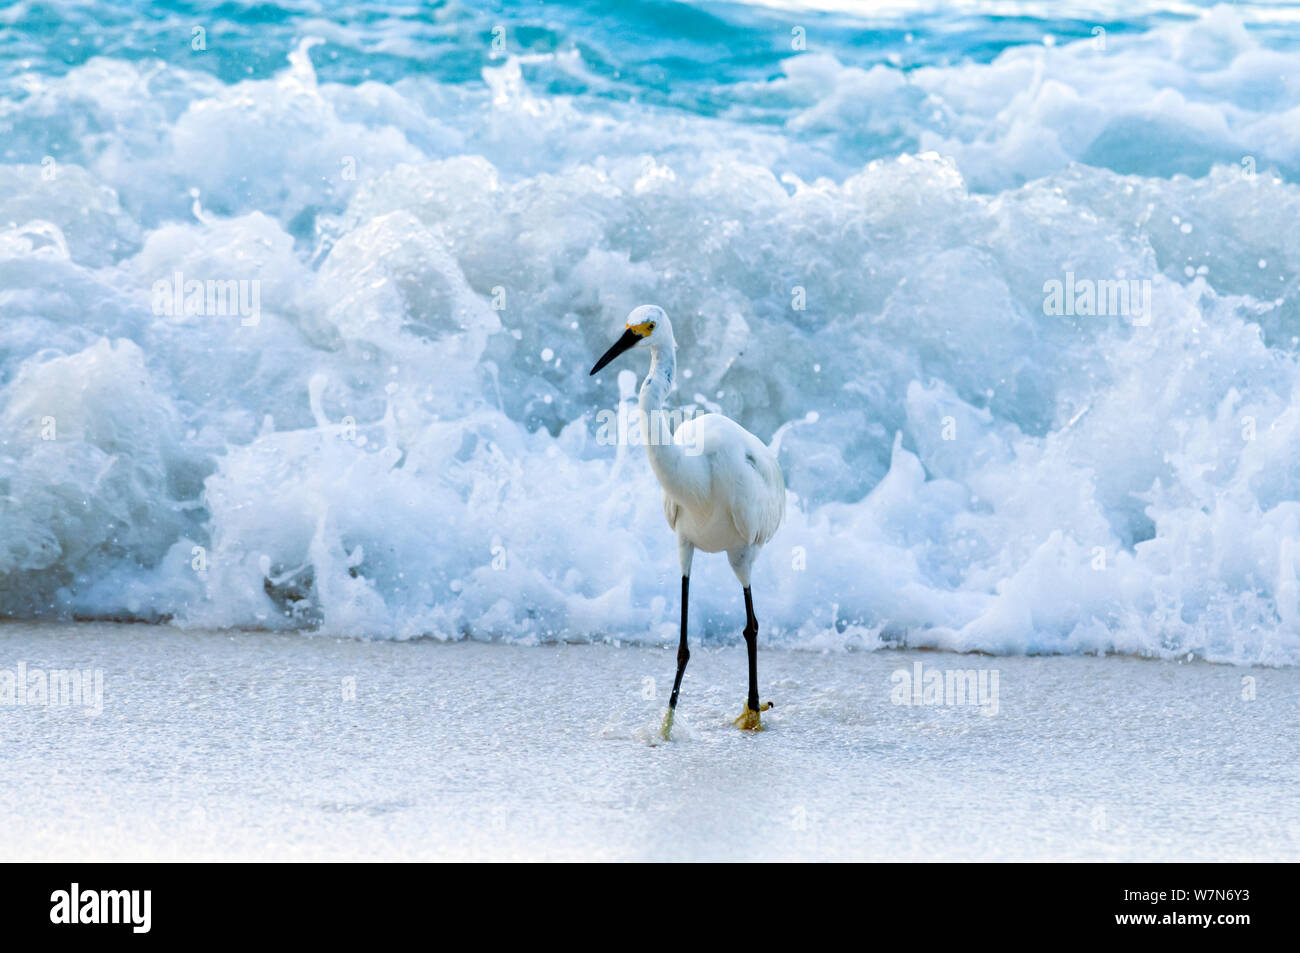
{"x": 646, "y": 324}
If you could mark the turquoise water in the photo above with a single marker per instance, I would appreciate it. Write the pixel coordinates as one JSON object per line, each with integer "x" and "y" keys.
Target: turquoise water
{"x": 690, "y": 56}
{"x": 434, "y": 217}
{"x": 640, "y": 48}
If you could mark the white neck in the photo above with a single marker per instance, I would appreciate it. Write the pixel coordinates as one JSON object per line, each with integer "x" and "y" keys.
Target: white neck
{"x": 666, "y": 458}
{"x": 658, "y": 383}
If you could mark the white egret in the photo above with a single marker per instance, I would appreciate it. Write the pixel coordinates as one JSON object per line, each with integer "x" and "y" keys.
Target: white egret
{"x": 723, "y": 488}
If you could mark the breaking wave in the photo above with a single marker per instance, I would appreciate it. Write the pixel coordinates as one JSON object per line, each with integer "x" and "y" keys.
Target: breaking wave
{"x": 295, "y": 326}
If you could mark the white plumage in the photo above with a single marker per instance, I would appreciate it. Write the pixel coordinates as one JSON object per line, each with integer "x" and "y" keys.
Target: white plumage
{"x": 722, "y": 486}
{"x": 736, "y": 499}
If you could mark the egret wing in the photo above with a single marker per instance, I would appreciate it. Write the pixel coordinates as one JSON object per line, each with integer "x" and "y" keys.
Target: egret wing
{"x": 758, "y": 503}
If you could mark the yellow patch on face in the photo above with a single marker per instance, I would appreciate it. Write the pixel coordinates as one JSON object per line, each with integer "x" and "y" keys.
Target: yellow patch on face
{"x": 642, "y": 330}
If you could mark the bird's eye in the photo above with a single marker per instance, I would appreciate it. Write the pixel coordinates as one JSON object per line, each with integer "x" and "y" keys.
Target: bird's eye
{"x": 652, "y": 327}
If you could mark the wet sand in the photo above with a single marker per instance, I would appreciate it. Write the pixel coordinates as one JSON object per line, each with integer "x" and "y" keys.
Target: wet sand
{"x": 259, "y": 746}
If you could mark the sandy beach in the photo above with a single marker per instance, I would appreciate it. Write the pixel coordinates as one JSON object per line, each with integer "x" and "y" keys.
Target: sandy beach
{"x": 249, "y": 745}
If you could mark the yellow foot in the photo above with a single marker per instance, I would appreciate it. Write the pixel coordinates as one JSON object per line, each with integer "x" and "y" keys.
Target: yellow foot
{"x": 667, "y": 728}
{"x": 748, "y": 720}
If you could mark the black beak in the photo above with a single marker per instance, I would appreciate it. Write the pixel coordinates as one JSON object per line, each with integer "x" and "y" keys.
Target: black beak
{"x": 626, "y": 342}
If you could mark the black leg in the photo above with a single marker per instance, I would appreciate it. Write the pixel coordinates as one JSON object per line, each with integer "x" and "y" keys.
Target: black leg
{"x": 751, "y": 642}
{"x": 683, "y": 652}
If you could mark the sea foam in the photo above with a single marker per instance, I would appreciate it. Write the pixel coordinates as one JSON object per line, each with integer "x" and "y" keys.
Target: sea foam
{"x": 405, "y": 442}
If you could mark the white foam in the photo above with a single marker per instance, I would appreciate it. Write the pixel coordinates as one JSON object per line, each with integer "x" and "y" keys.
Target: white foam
{"x": 385, "y": 453}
